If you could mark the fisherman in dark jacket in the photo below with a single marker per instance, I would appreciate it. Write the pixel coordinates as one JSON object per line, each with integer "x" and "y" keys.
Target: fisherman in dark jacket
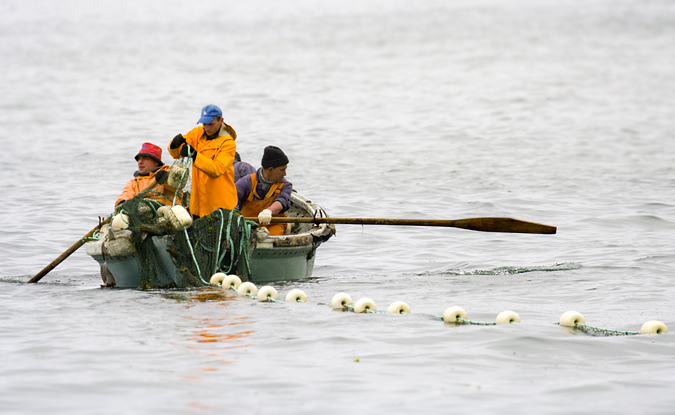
{"x": 266, "y": 193}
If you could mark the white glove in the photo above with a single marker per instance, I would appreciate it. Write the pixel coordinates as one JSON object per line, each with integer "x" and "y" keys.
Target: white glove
{"x": 265, "y": 217}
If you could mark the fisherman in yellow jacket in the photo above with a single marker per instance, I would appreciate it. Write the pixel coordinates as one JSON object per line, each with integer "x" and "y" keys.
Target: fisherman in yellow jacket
{"x": 212, "y": 149}
{"x": 150, "y": 166}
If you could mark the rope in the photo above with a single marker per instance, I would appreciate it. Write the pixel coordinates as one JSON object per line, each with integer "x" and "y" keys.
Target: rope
{"x": 194, "y": 258}
{"x": 220, "y": 234}
{"x": 96, "y": 236}
{"x": 245, "y": 228}
{"x": 580, "y": 326}
{"x": 229, "y": 241}
{"x": 185, "y": 164}
{"x": 478, "y": 323}
{"x": 591, "y": 330}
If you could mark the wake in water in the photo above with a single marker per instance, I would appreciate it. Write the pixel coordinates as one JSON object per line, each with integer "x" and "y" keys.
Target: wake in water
{"x": 566, "y": 266}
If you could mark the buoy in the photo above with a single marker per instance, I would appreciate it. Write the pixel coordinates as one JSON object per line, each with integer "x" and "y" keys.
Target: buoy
{"x": 296, "y": 296}
{"x": 120, "y": 221}
{"x": 571, "y": 319}
{"x": 247, "y": 288}
{"x": 398, "y": 307}
{"x": 162, "y": 210}
{"x": 453, "y": 313}
{"x": 177, "y": 176}
{"x": 365, "y": 305}
{"x": 341, "y": 300}
{"x": 217, "y": 278}
{"x": 507, "y": 317}
{"x": 231, "y": 281}
{"x": 183, "y": 217}
{"x": 267, "y": 293}
{"x": 654, "y": 327}
{"x": 167, "y": 213}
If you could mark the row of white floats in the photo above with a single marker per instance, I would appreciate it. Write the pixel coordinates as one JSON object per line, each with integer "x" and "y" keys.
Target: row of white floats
{"x": 342, "y": 301}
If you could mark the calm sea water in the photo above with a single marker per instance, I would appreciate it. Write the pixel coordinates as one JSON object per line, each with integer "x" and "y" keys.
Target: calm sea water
{"x": 558, "y": 112}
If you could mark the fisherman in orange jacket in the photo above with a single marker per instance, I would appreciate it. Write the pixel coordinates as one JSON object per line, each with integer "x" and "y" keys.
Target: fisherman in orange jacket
{"x": 267, "y": 193}
{"x": 150, "y": 166}
{"x": 212, "y": 149}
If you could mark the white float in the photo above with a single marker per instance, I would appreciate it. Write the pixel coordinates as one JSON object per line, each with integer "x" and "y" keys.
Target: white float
{"x": 341, "y": 300}
{"x": 163, "y": 210}
{"x": 120, "y": 221}
{"x": 167, "y": 213}
{"x": 507, "y": 317}
{"x": 398, "y": 307}
{"x": 182, "y": 216}
{"x": 365, "y": 305}
{"x": 267, "y": 293}
{"x": 217, "y": 278}
{"x": 296, "y": 296}
{"x": 654, "y": 327}
{"x": 178, "y": 177}
{"x": 231, "y": 282}
{"x": 453, "y": 313}
{"x": 247, "y": 288}
{"x": 571, "y": 319}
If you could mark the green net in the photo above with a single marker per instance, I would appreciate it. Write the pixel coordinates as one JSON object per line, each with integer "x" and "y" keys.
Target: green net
{"x": 219, "y": 242}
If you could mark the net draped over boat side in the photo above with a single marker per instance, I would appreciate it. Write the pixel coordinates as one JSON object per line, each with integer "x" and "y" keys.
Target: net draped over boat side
{"x": 219, "y": 242}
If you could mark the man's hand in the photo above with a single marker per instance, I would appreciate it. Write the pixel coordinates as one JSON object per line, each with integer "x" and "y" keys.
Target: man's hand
{"x": 177, "y": 141}
{"x": 161, "y": 176}
{"x": 265, "y": 217}
{"x": 184, "y": 152}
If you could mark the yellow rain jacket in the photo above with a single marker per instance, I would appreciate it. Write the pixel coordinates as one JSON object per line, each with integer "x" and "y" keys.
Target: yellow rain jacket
{"x": 212, "y": 171}
{"x": 163, "y": 194}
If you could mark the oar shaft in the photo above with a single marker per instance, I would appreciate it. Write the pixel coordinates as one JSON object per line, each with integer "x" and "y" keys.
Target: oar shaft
{"x": 507, "y": 225}
{"x": 67, "y": 253}
{"x": 80, "y": 242}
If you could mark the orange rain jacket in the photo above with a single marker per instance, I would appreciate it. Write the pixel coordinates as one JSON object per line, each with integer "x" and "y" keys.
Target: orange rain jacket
{"x": 163, "y": 194}
{"x": 212, "y": 171}
{"x": 255, "y": 203}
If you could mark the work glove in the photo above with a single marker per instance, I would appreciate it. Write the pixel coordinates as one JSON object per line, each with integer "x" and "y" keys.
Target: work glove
{"x": 177, "y": 141}
{"x": 265, "y": 217}
{"x": 184, "y": 152}
{"x": 161, "y": 176}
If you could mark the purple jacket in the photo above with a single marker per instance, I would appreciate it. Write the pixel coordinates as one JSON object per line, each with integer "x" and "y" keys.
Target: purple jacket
{"x": 241, "y": 169}
{"x": 244, "y": 189}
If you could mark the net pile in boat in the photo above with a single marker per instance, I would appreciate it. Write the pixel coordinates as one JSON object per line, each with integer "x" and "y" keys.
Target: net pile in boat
{"x": 219, "y": 242}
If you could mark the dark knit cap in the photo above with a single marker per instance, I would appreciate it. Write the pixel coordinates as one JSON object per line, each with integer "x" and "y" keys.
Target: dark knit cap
{"x": 273, "y": 157}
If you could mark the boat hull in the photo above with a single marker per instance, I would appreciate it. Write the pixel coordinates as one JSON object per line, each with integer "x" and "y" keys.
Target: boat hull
{"x": 282, "y": 263}
{"x": 274, "y": 258}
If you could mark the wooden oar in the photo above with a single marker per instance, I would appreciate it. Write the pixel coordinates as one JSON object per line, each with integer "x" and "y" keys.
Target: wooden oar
{"x": 507, "y": 225}
{"x": 68, "y": 252}
{"x": 79, "y": 243}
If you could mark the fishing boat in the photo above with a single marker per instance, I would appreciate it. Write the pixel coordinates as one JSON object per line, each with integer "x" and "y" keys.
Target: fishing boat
{"x": 265, "y": 258}
{"x": 157, "y": 249}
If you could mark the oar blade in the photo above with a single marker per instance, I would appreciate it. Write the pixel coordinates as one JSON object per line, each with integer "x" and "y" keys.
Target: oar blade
{"x": 504, "y": 225}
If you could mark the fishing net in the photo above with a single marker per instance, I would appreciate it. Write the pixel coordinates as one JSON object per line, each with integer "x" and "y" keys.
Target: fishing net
{"x": 600, "y": 332}
{"x": 219, "y": 242}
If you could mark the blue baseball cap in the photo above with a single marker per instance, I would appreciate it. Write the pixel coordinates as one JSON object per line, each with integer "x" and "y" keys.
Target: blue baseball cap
{"x": 209, "y": 112}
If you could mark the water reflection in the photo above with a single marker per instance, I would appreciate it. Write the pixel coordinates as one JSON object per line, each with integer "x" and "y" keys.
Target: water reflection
{"x": 214, "y": 332}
